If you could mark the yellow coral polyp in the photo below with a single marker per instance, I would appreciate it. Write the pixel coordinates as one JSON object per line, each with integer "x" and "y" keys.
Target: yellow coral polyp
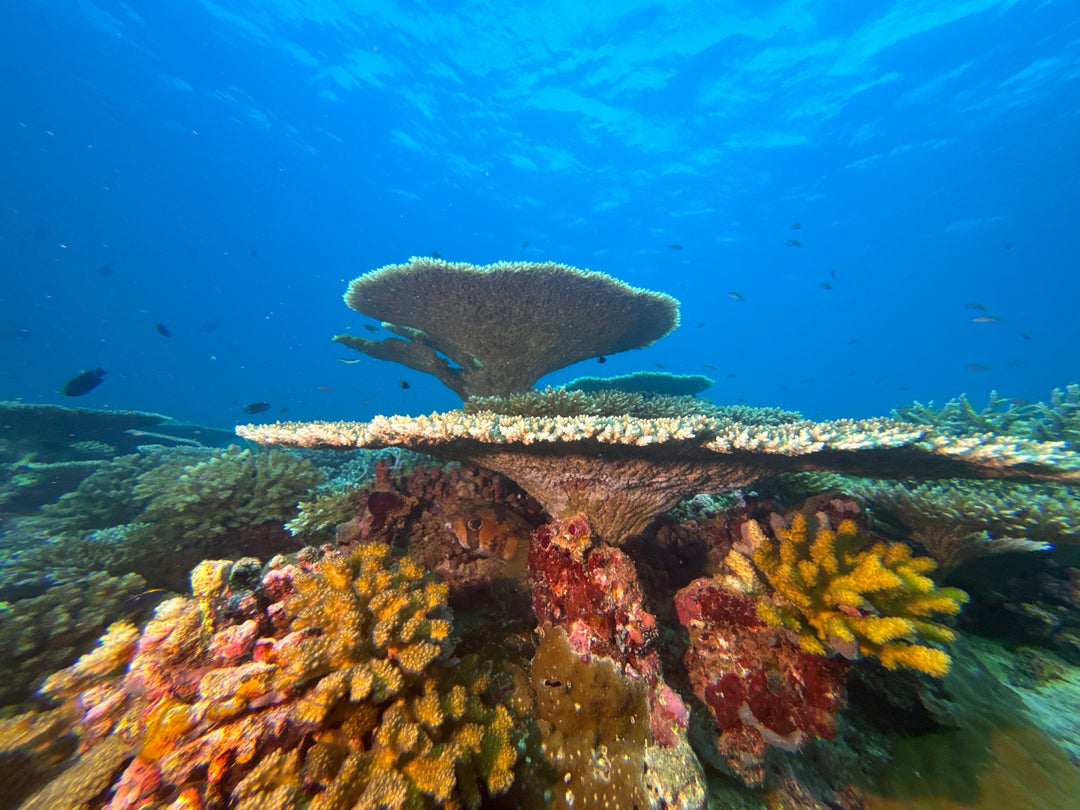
{"x": 835, "y": 588}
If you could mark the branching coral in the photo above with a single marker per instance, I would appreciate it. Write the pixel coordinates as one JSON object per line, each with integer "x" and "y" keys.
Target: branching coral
{"x": 837, "y": 591}
{"x": 504, "y": 325}
{"x": 339, "y": 697}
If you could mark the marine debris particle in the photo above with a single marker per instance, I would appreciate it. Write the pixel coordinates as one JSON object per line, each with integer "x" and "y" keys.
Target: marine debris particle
{"x": 495, "y": 329}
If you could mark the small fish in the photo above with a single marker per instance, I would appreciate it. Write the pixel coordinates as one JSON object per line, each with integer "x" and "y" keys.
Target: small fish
{"x": 601, "y": 359}
{"x": 985, "y": 319}
{"x": 1018, "y": 401}
{"x": 825, "y": 285}
{"x": 832, "y": 272}
{"x": 371, "y": 327}
{"x": 1009, "y": 245}
{"x": 402, "y": 384}
{"x": 208, "y": 328}
{"x": 1026, "y": 336}
{"x": 282, "y": 410}
{"x": 349, "y": 360}
{"x": 323, "y": 387}
{"x": 856, "y": 372}
{"x": 105, "y": 270}
{"x": 904, "y": 388}
{"x": 795, "y": 226}
{"x": 256, "y": 407}
{"x": 436, "y": 255}
{"x": 792, "y": 243}
{"x": 735, "y": 295}
{"x": 978, "y": 367}
{"x": 700, "y": 324}
{"x": 525, "y": 244}
{"x": 16, "y": 335}
{"x": 162, "y": 330}
{"x": 808, "y": 380}
{"x": 975, "y": 305}
{"x": 83, "y": 383}
{"x": 879, "y": 380}
{"x": 707, "y": 367}
{"x": 853, "y": 341}
{"x": 491, "y": 530}
{"x": 254, "y": 252}
{"x": 675, "y": 246}
{"x": 729, "y": 376}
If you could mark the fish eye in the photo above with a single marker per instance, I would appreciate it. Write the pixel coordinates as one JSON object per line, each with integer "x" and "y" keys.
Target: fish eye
{"x": 474, "y": 524}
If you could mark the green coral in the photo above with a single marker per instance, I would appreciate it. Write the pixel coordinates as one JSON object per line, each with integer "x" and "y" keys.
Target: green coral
{"x": 319, "y": 518}
{"x": 835, "y": 590}
{"x": 1055, "y": 420}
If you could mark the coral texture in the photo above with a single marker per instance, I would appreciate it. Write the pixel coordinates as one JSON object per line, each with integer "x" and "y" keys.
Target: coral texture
{"x": 504, "y": 325}
{"x": 649, "y": 465}
{"x": 318, "y": 689}
{"x": 840, "y": 592}
{"x": 647, "y": 383}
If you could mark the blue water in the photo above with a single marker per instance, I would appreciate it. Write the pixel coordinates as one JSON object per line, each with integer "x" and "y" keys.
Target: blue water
{"x": 225, "y": 168}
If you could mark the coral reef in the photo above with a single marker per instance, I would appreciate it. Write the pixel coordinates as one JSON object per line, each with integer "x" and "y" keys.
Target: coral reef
{"x": 646, "y": 383}
{"x": 839, "y": 591}
{"x": 649, "y": 465}
{"x": 328, "y": 688}
{"x": 1055, "y": 421}
{"x": 503, "y": 325}
{"x": 761, "y": 689}
{"x": 43, "y": 633}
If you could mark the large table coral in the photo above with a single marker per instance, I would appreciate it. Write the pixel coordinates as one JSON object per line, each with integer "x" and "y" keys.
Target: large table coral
{"x": 622, "y": 471}
{"x": 496, "y": 329}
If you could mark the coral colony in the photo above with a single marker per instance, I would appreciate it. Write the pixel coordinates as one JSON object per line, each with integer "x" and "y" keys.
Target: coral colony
{"x": 530, "y": 602}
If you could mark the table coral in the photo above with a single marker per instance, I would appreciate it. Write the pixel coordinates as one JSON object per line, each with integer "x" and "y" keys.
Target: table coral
{"x": 503, "y": 325}
{"x": 837, "y": 590}
{"x": 622, "y": 471}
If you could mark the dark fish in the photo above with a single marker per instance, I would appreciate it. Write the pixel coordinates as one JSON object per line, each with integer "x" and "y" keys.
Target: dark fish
{"x": 700, "y": 324}
{"x": 978, "y": 367}
{"x": 105, "y": 270}
{"x": 16, "y": 335}
{"x": 904, "y": 388}
{"x": 808, "y": 380}
{"x": 825, "y": 285}
{"x": 879, "y": 380}
{"x": 833, "y": 272}
{"x": 323, "y": 387}
{"x": 1009, "y": 245}
{"x": 975, "y": 305}
{"x": 729, "y": 376}
{"x": 853, "y": 341}
{"x": 675, "y": 246}
{"x": 435, "y": 254}
{"x": 659, "y": 366}
{"x": 142, "y": 601}
{"x": 256, "y": 407}
{"x": 525, "y": 244}
{"x": 707, "y": 367}
{"x": 371, "y": 327}
{"x": 796, "y": 226}
{"x": 254, "y": 252}
{"x": 402, "y": 384}
{"x": 84, "y": 383}
{"x": 162, "y": 330}
{"x": 282, "y": 410}
{"x": 601, "y": 359}
{"x": 792, "y": 243}
{"x": 736, "y": 296}
{"x": 985, "y": 319}
{"x": 856, "y": 372}
{"x": 1026, "y": 336}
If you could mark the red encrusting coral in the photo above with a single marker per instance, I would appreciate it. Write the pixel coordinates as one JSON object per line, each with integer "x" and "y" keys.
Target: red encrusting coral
{"x": 761, "y": 688}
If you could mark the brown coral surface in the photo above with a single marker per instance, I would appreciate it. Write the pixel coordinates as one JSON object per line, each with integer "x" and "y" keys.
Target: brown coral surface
{"x": 504, "y": 325}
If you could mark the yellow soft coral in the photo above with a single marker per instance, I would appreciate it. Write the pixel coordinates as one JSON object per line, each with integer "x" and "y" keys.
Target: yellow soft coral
{"x": 832, "y": 589}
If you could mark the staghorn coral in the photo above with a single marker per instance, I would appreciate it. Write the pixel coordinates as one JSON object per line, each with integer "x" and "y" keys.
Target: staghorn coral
{"x": 838, "y": 592}
{"x": 503, "y": 325}
{"x": 622, "y": 471}
{"x": 321, "y": 689}
{"x": 1056, "y": 420}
